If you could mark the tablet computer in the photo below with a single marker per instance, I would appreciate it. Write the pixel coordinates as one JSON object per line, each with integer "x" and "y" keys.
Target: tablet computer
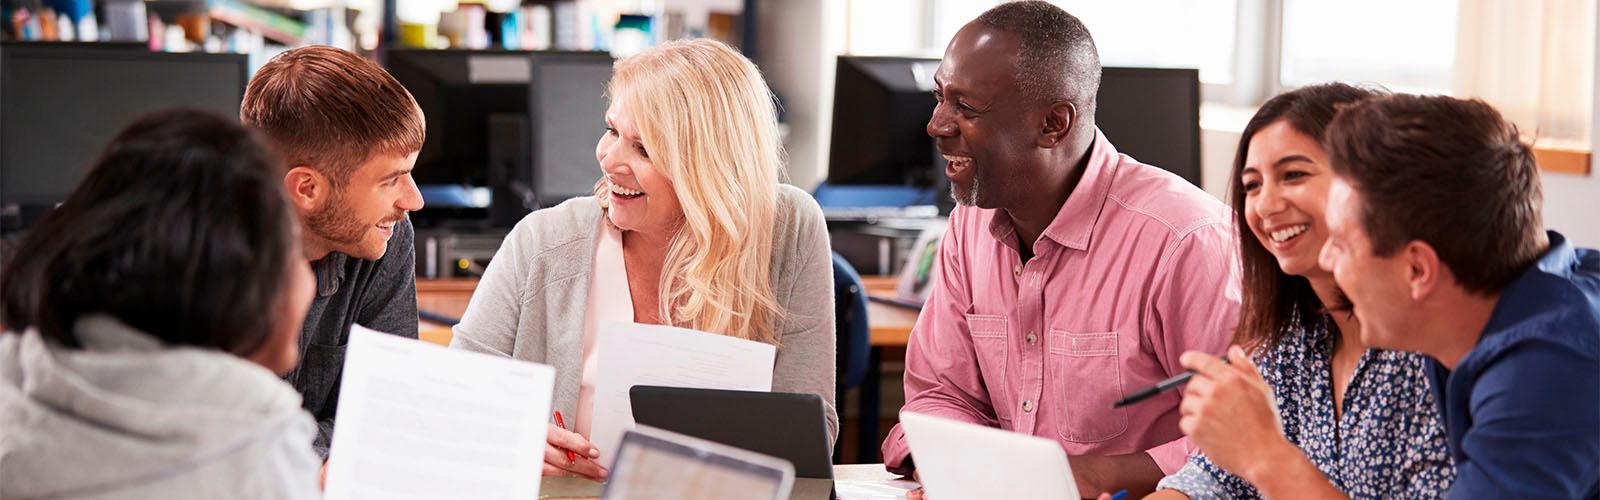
{"x": 789, "y": 426}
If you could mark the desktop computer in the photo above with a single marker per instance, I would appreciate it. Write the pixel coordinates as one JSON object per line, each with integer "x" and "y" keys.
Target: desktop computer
{"x": 473, "y": 164}
{"x": 567, "y": 104}
{"x": 882, "y": 106}
{"x": 1153, "y": 115}
{"x": 508, "y": 131}
{"x": 60, "y": 103}
{"x": 884, "y": 171}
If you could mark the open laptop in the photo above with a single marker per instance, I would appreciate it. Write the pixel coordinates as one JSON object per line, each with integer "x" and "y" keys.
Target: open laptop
{"x": 961, "y": 460}
{"x": 657, "y": 464}
{"x": 793, "y": 427}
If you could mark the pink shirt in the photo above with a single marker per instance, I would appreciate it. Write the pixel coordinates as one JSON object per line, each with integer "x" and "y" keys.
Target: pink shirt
{"x": 608, "y": 301}
{"x": 1137, "y": 267}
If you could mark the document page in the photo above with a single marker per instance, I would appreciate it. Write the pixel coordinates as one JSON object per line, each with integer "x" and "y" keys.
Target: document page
{"x": 419, "y": 421}
{"x": 629, "y": 354}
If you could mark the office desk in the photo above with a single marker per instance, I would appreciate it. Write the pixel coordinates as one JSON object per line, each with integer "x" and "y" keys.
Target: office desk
{"x": 890, "y": 325}
{"x": 447, "y": 297}
{"x": 854, "y": 481}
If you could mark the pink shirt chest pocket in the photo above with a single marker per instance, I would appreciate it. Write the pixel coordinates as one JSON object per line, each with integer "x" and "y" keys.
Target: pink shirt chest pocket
{"x": 990, "y": 335}
{"x": 1085, "y": 379}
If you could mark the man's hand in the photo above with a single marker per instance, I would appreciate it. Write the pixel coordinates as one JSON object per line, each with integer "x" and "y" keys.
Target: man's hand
{"x": 917, "y": 494}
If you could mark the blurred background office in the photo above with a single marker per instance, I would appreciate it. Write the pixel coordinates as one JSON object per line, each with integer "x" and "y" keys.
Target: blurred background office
{"x": 513, "y": 92}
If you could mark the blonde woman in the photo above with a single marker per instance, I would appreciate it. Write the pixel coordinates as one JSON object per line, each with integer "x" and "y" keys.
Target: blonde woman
{"x": 689, "y": 226}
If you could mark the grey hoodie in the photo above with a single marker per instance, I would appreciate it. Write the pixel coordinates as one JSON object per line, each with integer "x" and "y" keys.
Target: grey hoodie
{"x": 126, "y": 417}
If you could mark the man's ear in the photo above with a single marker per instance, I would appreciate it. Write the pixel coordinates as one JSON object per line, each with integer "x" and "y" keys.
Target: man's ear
{"x": 1058, "y": 121}
{"x": 1424, "y": 270}
{"x": 307, "y": 188}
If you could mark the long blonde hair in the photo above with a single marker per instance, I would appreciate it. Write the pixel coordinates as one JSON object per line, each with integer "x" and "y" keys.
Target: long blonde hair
{"x": 710, "y": 124}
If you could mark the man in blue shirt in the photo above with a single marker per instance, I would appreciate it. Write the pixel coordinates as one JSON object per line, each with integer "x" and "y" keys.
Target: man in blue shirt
{"x": 1435, "y": 235}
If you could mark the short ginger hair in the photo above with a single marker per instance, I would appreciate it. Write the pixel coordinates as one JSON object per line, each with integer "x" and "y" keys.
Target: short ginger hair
{"x": 331, "y": 110}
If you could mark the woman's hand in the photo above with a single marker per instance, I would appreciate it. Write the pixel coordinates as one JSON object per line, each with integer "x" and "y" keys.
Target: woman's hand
{"x": 562, "y": 441}
{"x": 1228, "y": 412}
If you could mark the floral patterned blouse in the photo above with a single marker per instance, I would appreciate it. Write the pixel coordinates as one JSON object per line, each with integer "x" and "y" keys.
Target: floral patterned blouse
{"x": 1389, "y": 443}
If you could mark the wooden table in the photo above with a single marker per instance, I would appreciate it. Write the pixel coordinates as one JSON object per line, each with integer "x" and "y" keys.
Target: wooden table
{"x": 851, "y": 481}
{"x": 890, "y": 325}
{"x": 447, "y": 297}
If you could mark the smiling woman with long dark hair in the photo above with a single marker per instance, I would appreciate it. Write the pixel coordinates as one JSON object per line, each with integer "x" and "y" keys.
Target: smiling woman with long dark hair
{"x": 150, "y": 316}
{"x": 1364, "y": 417}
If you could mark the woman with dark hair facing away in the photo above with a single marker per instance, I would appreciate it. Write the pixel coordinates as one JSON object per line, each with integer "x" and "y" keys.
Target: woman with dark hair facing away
{"x": 1302, "y": 385}
{"x": 149, "y": 316}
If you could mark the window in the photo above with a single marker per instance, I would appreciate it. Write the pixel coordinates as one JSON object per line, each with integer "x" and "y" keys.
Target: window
{"x": 1411, "y": 47}
{"x": 886, "y": 28}
{"x": 1162, "y": 33}
{"x": 1127, "y": 32}
{"x": 950, "y": 15}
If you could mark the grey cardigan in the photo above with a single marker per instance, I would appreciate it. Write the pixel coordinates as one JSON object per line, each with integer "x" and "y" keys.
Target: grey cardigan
{"x": 531, "y": 301}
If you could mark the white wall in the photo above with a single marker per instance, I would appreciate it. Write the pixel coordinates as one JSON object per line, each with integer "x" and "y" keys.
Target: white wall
{"x": 798, "y": 41}
{"x": 1220, "y": 128}
{"x": 1572, "y": 205}
{"x": 1572, "y": 202}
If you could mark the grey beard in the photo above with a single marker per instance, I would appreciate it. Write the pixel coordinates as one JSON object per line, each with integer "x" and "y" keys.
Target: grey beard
{"x": 968, "y": 198}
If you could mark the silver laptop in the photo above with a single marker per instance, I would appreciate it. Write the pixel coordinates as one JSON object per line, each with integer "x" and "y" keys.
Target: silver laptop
{"x": 957, "y": 460}
{"x": 653, "y": 463}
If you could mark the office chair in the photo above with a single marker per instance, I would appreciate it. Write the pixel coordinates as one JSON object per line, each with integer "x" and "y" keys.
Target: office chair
{"x": 850, "y": 316}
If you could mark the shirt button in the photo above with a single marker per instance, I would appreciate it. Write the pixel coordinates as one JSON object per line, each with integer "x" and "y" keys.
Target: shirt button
{"x": 1016, "y": 270}
{"x": 1027, "y": 405}
{"x": 1032, "y": 338}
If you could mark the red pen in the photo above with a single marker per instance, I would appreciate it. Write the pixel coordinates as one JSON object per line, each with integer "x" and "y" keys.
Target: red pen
{"x": 563, "y": 425}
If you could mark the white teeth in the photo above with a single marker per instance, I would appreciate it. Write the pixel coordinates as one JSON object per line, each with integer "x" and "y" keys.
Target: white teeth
{"x": 1284, "y": 234}
{"x": 623, "y": 191}
{"x": 959, "y": 162}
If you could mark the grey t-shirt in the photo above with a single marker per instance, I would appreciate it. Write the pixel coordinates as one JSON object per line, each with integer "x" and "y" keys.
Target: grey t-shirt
{"x": 381, "y": 295}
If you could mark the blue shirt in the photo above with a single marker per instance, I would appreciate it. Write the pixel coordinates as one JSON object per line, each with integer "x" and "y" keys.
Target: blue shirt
{"x": 1523, "y": 408}
{"x": 1388, "y": 442}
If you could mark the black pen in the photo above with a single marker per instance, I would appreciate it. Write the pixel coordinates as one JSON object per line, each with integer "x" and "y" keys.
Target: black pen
{"x": 1160, "y": 387}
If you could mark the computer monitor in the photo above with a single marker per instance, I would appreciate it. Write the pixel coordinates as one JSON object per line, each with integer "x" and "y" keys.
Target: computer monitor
{"x": 1153, "y": 115}
{"x": 882, "y": 105}
{"x": 473, "y": 164}
{"x": 568, "y": 105}
{"x": 61, "y": 103}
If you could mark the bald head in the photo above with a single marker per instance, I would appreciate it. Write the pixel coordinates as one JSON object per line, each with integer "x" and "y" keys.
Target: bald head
{"x": 1056, "y": 58}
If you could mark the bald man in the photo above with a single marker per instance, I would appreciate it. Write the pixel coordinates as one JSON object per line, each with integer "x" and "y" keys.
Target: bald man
{"x": 1071, "y": 274}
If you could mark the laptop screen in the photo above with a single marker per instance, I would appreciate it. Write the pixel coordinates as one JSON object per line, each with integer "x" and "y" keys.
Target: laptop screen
{"x": 657, "y": 464}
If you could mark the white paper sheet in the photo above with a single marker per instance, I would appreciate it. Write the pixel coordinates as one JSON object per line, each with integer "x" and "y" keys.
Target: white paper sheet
{"x": 869, "y": 482}
{"x": 629, "y": 354}
{"x": 419, "y": 421}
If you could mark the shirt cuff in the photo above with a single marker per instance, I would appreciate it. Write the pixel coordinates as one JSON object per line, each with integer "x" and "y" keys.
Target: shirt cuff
{"x": 1171, "y": 456}
{"x": 896, "y": 453}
